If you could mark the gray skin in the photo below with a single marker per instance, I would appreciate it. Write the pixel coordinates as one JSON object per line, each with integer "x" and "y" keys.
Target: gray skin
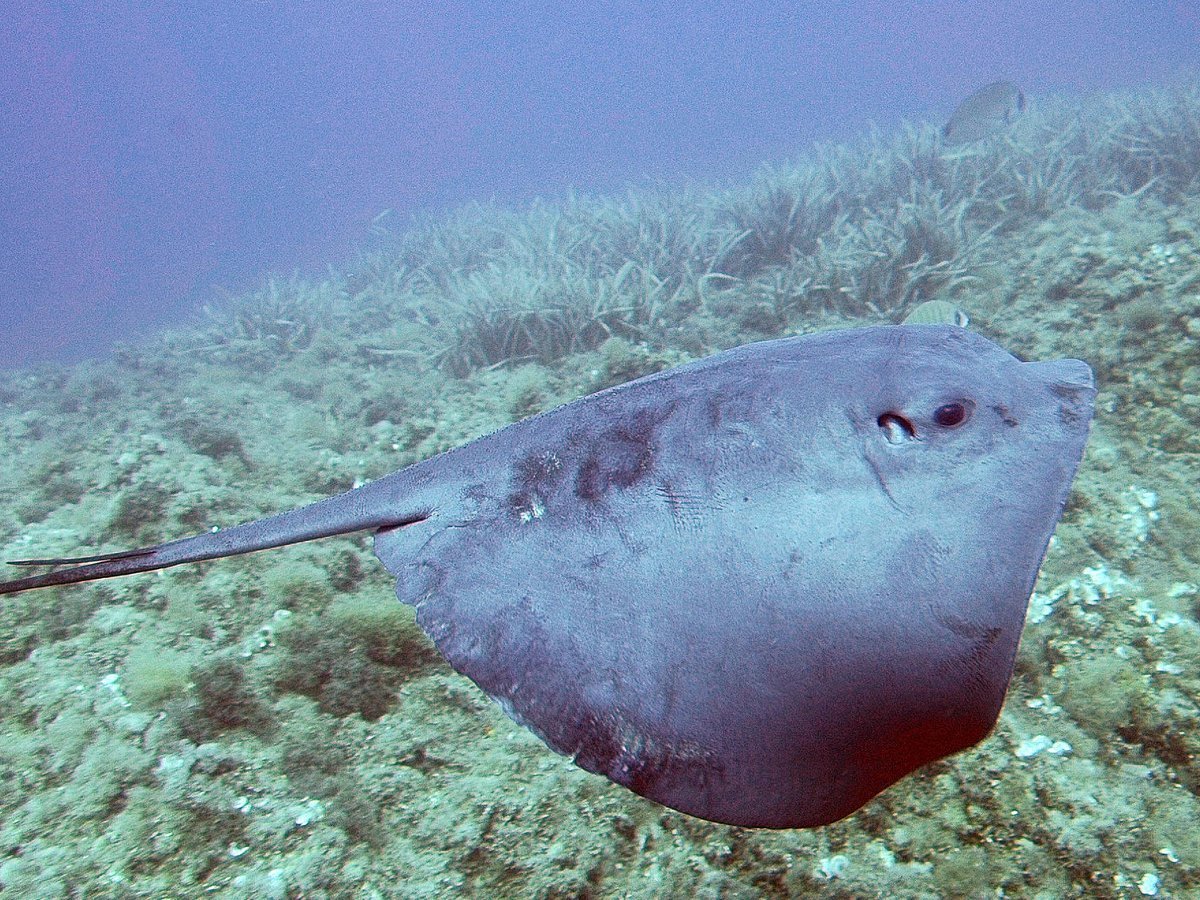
{"x": 759, "y": 588}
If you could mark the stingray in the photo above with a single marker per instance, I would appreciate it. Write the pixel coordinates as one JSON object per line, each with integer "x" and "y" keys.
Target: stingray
{"x": 758, "y": 588}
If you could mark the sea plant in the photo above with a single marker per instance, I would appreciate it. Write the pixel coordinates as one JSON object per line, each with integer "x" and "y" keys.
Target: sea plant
{"x": 283, "y": 316}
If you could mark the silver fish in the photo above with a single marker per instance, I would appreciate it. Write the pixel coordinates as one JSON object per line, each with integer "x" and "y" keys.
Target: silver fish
{"x": 937, "y": 312}
{"x": 986, "y": 112}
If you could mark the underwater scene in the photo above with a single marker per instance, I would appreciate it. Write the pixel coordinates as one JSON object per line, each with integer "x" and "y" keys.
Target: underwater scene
{"x": 277, "y": 725}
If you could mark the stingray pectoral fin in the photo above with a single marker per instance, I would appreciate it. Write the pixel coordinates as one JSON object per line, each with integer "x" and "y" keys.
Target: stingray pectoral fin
{"x": 371, "y": 507}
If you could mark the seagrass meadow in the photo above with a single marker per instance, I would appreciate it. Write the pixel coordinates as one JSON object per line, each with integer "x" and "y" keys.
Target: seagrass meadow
{"x": 277, "y": 726}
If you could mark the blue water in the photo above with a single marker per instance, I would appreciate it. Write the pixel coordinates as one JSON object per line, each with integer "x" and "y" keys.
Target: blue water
{"x": 155, "y": 153}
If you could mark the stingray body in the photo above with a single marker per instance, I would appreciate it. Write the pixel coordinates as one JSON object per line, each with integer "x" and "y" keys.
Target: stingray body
{"x": 759, "y": 588}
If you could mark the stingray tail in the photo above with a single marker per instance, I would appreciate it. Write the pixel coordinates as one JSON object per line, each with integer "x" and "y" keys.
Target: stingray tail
{"x": 366, "y": 508}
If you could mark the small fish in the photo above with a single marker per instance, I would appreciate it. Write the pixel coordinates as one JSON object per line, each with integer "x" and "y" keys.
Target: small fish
{"x": 986, "y": 112}
{"x": 937, "y": 312}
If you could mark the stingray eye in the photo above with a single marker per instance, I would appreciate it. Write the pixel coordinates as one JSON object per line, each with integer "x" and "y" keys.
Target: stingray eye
{"x": 951, "y": 415}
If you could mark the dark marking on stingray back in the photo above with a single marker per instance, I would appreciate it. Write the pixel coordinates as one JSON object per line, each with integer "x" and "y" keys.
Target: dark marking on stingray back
{"x": 714, "y": 407}
{"x": 735, "y": 403}
{"x": 535, "y": 478}
{"x": 621, "y": 456}
{"x": 589, "y": 465}
{"x": 589, "y": 480}
{"x": 539, "y": 473}
{"x": 1005, "y": 415}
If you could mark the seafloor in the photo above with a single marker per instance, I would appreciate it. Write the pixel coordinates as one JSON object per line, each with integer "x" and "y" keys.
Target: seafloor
{"x": 275, "y": 726}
